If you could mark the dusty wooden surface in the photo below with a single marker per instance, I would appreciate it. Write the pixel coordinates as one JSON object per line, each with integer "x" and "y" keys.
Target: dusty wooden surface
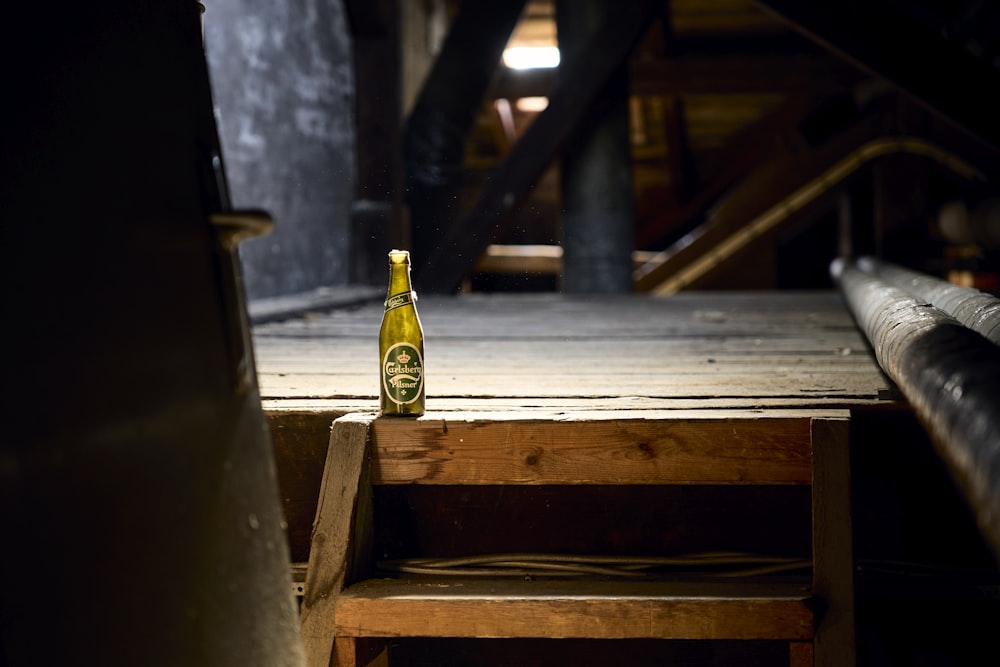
{"x": 562, "y": 609}
{"x": 706, "y": 447}
{"x": 696, "y": 388}
{"x": 569, "y": 357}
{"x": 555, "y": 352}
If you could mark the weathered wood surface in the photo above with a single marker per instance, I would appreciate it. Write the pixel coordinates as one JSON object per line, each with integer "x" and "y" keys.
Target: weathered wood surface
{"x": 339, "y": 534}
{"x": 717, "y": 447}
{"x": 446, "y": 607}
{"x": 833, "y": 542}
{"x": 489, "y": 352}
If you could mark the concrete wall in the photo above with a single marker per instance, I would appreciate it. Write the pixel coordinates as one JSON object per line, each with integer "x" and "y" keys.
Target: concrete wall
{"x": 283, "y": 90}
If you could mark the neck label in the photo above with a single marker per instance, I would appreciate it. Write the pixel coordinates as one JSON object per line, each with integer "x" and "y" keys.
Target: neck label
{"x": 399, "y": 300}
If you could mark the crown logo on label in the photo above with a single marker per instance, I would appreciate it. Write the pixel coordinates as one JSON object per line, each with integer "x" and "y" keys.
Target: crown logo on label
{"x": 403, "y": 358}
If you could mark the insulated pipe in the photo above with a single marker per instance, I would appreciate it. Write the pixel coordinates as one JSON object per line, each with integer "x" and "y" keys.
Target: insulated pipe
{"x": 975, "y": 309}
{"x": 949, "y": 374}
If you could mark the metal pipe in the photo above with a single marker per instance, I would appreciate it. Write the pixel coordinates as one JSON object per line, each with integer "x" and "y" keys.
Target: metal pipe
{"x": 975, "y": 309}
{"x": 949, "y": 374}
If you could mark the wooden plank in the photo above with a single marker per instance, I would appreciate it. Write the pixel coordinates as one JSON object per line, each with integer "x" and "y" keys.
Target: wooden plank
{"x": 573, "y": 609}
{"x": 360, "y": 652}
{"x": 681, "y": 316}
{"x": 336, "y": 533}
{"x": 560, "y": 316}
{"x": 833, "y": 551}
{"x": 512, "y": 449}
{"x": 807, "y": 387}
{"x": 800, "y": 654}
{"x": 719, "y": 349}
{"x": 355, "y": 354}
{"x": 623, "y": 407}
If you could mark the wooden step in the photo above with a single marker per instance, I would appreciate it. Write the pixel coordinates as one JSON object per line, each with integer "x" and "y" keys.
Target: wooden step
{"x": 345, "y": 602}
{"x": 560, "y": 609}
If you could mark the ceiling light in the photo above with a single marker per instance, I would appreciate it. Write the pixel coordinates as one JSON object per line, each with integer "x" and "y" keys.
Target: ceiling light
{"x": 531, "y": 57}
{"x": 532, "y": 104}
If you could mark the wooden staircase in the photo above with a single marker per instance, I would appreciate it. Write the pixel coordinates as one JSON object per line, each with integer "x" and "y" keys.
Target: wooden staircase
{"x": 351, "y": 607}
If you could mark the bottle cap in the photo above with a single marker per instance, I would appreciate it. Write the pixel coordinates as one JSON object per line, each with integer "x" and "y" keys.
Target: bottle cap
{"x": 399, "y": 256}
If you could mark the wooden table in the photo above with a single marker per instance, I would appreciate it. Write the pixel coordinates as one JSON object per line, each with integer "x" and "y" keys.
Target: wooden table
{"x": 697, "y": 389}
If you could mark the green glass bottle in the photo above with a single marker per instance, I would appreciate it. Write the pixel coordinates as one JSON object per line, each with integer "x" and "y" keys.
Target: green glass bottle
{"x": 401, "y": 344}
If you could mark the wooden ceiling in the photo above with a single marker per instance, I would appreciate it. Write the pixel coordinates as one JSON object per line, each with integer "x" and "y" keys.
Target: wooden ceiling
{"x": 724, "y": 95}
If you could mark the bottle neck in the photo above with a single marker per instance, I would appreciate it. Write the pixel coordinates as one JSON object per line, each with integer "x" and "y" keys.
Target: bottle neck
{"x": 399, "y": 279}
{"x": 400, "y": 291}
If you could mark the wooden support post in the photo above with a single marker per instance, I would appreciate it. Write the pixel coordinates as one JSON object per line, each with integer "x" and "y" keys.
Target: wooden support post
{"x": 341, "y": 532}
{"x": 436, "y": 130}
{"x": 800, "y": 654}
{"x": 834, "y": 644}
{"x": 360, "y": 652}
{"x": 376, "y": 212}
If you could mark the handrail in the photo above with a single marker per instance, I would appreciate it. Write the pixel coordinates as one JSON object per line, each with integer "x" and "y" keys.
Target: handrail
{"x": 949, "y": 374}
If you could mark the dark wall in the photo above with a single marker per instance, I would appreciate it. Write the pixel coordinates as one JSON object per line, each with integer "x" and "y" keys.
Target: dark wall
{"x": 136, "y": 479}
{"x": 283, "y": 90}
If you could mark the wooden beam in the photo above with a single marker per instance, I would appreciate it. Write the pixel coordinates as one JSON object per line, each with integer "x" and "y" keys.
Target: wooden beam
{"x": 680, "y": 161}
{"x": 574, "y": 609}
{"x": 437, "y": 128}
{"x": 339, "y": 532}
{"x": 376, "y": 213}
{"x": 833, "y": 545}
{"x": 706, "y": 74}
{"x": 768, "y": 193}
{"x": 723, "y": 450}
{"x": 529, "y": 258}
{"x": 466, "y": 238}
{"x": 737, "y": 74}
{"x": 746, "y": 151}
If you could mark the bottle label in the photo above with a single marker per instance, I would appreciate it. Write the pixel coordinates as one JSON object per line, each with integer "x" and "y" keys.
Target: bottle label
{"x": 402, "y": 373}
{"x": 401, "y": 299}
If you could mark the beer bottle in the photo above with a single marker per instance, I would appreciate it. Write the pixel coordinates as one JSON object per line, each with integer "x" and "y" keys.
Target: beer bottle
{"x": 401, "y": 344}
